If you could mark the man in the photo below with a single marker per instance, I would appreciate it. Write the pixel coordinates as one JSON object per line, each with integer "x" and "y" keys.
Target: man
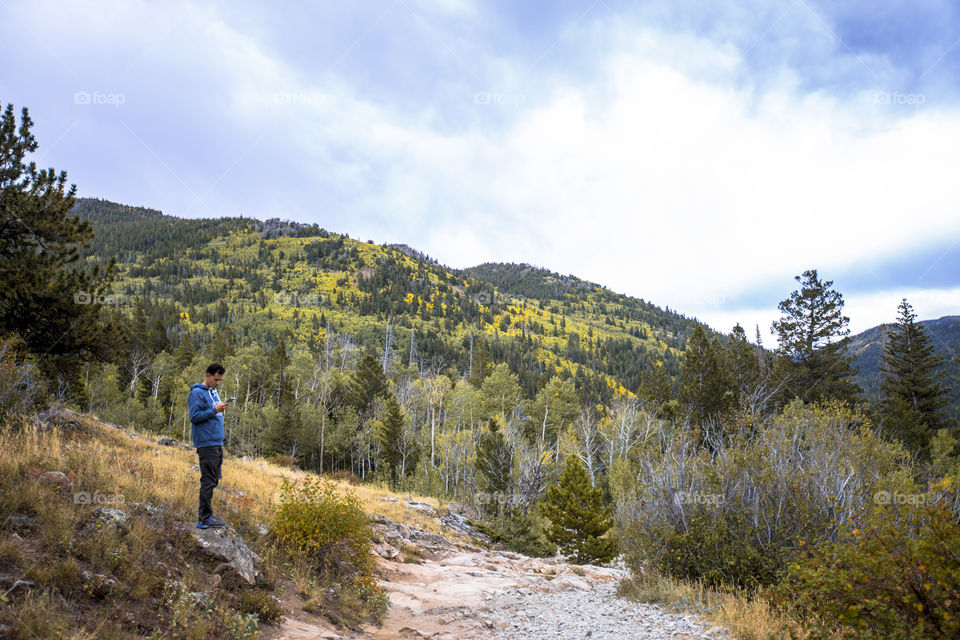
{"x": 206, "y": 420}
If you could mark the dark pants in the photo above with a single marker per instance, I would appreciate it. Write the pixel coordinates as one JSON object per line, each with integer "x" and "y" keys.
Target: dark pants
{"x": 211, "y": 459}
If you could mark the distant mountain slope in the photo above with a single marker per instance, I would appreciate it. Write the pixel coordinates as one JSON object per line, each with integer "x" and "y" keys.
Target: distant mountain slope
{"x": 272, "y": 280}
{"x": 867, "y": 348}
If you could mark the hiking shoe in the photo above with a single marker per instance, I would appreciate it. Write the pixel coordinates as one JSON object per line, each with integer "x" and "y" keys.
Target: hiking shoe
{"x": 212, "y": 521}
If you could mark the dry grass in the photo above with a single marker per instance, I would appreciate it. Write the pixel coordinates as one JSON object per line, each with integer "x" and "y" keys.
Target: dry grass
{"x": 102, "y": 461}
{"x": 747, "y": 614}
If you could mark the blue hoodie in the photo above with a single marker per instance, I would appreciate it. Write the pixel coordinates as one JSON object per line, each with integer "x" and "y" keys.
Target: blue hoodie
{"x": 206, "y": 421}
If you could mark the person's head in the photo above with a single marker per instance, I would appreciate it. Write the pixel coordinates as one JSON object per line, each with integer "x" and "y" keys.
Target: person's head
{"x": 214, "y": 375}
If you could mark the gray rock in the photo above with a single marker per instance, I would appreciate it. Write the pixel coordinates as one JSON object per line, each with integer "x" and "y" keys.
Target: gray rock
{"x": 106, "y": 516}
{"x": 170, "y": 442}
{"x": 226, "y": 544}
{"x": 56, "y": 477}
{"x": 149, "y": 508}
{"x": 460, "y": 524}
{"x": 423, "y": 507}
{"x": 21, "y": 522}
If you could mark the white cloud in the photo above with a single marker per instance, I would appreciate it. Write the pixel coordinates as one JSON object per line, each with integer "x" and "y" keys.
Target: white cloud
{"x": 666, "y": 174}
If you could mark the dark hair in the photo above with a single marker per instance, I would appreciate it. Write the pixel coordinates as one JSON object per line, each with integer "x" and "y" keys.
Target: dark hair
{"x": 214, "y": 369}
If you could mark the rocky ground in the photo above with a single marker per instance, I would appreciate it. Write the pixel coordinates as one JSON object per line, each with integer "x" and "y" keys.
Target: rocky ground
{"x": 445, "y": 589}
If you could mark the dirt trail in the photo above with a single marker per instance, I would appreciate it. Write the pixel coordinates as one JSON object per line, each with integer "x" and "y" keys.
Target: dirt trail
{"x": 453, "y": 594}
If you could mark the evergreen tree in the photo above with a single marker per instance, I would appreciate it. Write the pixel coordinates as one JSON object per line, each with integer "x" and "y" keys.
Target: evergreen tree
{"x": 706, "y": 387}
{"x": 389, "y": 433}
{"x": 48, "y": 299}
{"x": 185, "y": 353}
{"x": 158, "y": 339}
{"x": 494, "y": 464}
{"x": 812, "y": 363}
{"x": 578, "y": 517}
{"x": 368, "y": 384}
{"x": 656, "y": 385}
{"x": 744, "y": 366}
{"x": 221, "y": 347}
{"x": 913, "y": 397}
{"x": 285, "y": 434}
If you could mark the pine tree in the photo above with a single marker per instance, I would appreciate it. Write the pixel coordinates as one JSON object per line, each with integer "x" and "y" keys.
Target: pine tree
{"x": 812, "y": 363}
{"x": 285, "y": 434}
{"x": 706, "y": 388}
{"x": 578, "y": 518}
{"x": 368, "y": 384}
{"x": 389, "y": 433}
{"x": 185, "y": 353}
{"x": 48, "y": 298}
{"x": 913, "y": 397}
{"x": 221, "y": 347}
{"x": 158, "y": 340}
{"x": 656, "y": 385}
{"x": 744, "y": 367}
{"x": 494, "y": 464}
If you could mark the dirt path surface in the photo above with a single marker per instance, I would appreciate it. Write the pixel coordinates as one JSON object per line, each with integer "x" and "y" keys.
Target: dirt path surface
{"x": 463, "y": 594}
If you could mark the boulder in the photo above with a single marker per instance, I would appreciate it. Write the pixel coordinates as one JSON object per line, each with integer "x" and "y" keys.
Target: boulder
{"x": 226, "y": 544}
{"x": 462, "y": 525}
{"x": 423, "y": 507}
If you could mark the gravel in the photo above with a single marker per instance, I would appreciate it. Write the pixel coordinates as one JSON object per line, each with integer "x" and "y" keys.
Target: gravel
{"x": 597, "y": 613}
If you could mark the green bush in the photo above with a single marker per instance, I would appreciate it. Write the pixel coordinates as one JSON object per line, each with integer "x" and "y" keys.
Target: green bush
{"x": 331, "y": 532}
{"x": 330, "y": 528}
{"x": 894, "y": 573}
{"x": 735, "y": 516}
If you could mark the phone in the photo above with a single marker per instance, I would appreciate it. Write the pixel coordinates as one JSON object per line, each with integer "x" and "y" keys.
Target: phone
{"x": 231, "y": 399}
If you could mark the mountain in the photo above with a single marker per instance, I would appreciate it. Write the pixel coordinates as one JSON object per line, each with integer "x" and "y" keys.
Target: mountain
{"x": 279, "y": 280}
{"x": 867, "y": 348}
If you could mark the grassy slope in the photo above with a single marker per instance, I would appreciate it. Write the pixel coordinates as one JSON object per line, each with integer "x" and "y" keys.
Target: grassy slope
{"x": 72, "y": 562}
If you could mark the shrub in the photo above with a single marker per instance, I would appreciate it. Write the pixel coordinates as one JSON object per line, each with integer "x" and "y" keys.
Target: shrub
{"x": 736, "y": 515}
{"x": 894, "y": 573}
{"x": 328, "y": 527}
{"x": 262, "y": 604}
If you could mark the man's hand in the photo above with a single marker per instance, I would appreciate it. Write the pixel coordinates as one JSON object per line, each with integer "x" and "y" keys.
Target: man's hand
{"x": 223, "y": 405}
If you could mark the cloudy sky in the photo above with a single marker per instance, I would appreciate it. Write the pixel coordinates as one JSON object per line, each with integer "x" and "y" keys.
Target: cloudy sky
{"x": 696, "y": 154}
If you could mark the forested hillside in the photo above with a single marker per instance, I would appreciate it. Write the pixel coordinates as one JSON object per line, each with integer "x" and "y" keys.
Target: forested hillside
{"x": 271, "y": 281}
